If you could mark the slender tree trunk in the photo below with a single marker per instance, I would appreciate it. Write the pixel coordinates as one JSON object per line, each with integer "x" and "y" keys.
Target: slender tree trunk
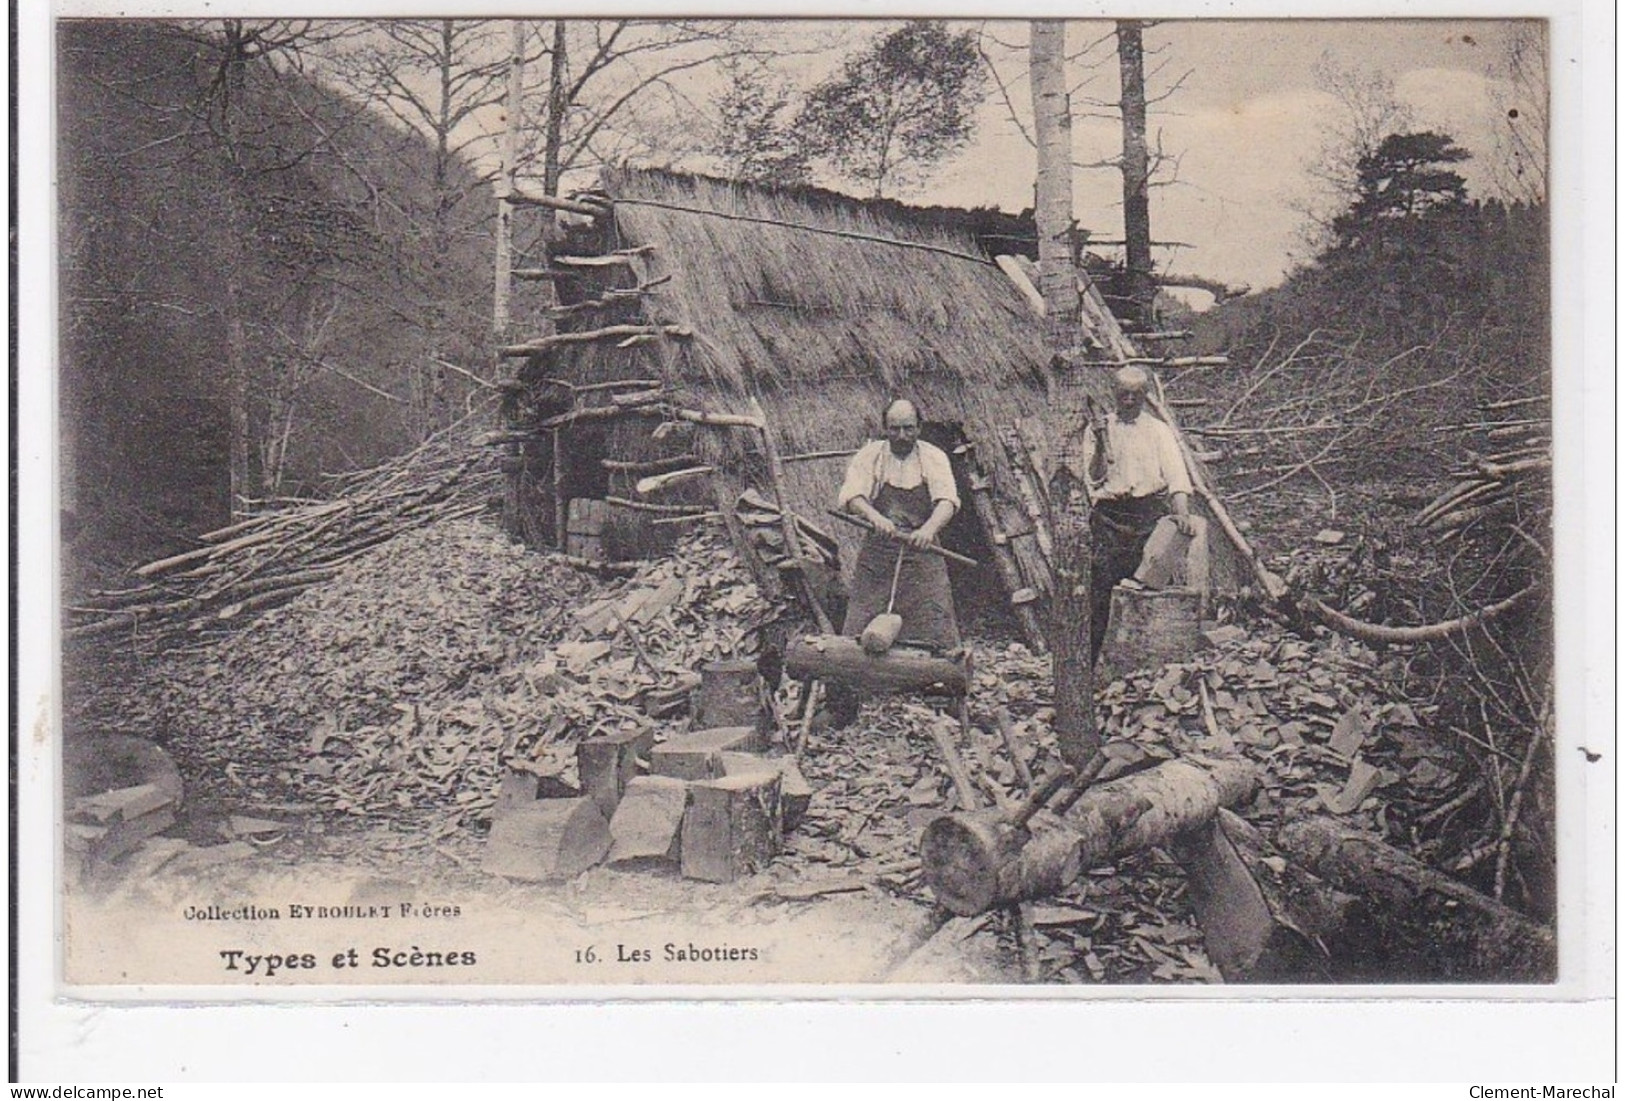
{"x": 431, "y": 394}
{"x": 1142, "y": 287}
{"x": 244, "y": 484}
{"x": 1058, "y": 281}
{"x": 557, "y": 104}
{"x": 510, "y": 150}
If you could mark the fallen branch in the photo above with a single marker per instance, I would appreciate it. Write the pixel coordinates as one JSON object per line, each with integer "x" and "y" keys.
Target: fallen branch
{"x": 1382, "y": 634}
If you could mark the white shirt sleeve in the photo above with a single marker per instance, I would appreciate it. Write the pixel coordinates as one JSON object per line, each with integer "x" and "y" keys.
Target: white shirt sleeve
{"x": 860, "y": 474}
{"x": 939, "y": 474}
{"x": 1173, "y": 460}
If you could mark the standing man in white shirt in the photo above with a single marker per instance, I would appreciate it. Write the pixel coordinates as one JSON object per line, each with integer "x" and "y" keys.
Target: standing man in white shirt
{"x": 1137, "y": 476}
{"x": 904, "y": 487}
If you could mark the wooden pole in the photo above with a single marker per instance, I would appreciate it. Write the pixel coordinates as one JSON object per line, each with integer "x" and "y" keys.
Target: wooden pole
{"x": 553, "y": 202}
{"x": 932, "y": 548}
{"x": 588, "y": 336}
{"x": 1009, "y": 573}
{"x": 792, "y": 538}
{"x": 560, "y": 511}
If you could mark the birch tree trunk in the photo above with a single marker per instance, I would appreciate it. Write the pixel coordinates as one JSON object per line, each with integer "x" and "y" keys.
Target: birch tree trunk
{"x": 1069, "y": 504}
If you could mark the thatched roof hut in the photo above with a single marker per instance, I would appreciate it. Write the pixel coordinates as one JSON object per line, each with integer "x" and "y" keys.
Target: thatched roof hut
{"x": 810, "y": 310}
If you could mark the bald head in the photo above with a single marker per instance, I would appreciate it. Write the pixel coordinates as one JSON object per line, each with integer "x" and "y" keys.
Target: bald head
{"x": 1129, "y": 387}
{"x": 1133, "y": 378}
{"x": 902, "y": 422}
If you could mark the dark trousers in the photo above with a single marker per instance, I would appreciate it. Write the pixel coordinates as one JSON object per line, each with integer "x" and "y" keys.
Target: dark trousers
{"x": 1119, "y": 530}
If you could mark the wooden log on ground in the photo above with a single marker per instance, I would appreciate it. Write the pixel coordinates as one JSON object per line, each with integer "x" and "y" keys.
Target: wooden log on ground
{"x": 549, "y": 839}
{"x": 607, "y": 764}
{"x": 648, "y": 822}
{"x": 697, "y": 755}
{"x": 731, "y": 828}
{"x": 975, "y": 863}
{"x": 1413, "y": 922}
{"x": 900, "y": 669}
{"x": 109, "y": 761}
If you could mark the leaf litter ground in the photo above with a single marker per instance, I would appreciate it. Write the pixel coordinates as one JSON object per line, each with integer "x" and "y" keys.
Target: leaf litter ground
{"x": 368, "y": 723}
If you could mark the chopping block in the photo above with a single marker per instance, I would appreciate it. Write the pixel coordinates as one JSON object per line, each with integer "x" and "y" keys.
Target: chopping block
{"x": 843, "y": 660}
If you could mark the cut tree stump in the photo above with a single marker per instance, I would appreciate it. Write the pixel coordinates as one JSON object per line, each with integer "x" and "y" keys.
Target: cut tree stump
{"x": 694, "y": 756}
{"x": 648, "y": 822}
{"x": 549, "y": 839}
{"x": 1411, "y": 922}
{"x": 795, "y": 793}
{"x": 978, "y": 862}
{"x": 731, "y": 693}
{"x": 731, "y": 828}
{"x": 900, "y": 669}
{"x": 607, "y": 764}
{"x": 1148, "y": 628}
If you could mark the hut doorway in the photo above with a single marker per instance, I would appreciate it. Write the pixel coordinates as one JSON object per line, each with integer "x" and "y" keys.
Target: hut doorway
{"x": 979, "y": 599}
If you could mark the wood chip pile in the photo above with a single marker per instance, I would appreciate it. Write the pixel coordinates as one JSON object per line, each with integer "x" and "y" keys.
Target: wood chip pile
{"x": 404, "y": 691}
{"x": 406, "y": 684}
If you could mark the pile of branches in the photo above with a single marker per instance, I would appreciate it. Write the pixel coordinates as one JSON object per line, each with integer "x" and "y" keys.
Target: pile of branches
{"x": 1501, "y": 502}
{"x": 1495, "y": 524}
{"x": 1328, "y": 404}
{"x": 271, "y": 557}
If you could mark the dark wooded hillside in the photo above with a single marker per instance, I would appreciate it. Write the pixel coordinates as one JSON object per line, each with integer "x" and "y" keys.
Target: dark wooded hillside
{"x": 277, "y": 223}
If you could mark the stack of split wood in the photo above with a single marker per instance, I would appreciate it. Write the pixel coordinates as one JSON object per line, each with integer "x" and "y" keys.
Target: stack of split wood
{"x": 1508, "y": 483}
{"x": 269, "y": 558}
{"x": 120, "y": 791}
{"x": 710, "y": 802}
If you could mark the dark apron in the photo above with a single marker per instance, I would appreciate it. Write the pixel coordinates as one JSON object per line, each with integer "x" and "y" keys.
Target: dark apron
{"x": 924, "y": 599}
{"x": 1119, "y": 529}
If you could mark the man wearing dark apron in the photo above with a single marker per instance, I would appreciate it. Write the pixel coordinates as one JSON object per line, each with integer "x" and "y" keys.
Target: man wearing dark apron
{"x": 904, "y": 487}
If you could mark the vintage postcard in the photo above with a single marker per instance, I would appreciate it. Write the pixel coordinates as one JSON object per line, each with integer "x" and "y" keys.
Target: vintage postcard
{"x": 916, "y": 506}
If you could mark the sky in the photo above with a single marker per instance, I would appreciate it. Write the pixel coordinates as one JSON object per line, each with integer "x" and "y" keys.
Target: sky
{"x": 1244, "y": 124}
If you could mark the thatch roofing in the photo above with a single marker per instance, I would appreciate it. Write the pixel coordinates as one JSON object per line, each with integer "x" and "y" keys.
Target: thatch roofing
{"x": 820, "y": 308}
